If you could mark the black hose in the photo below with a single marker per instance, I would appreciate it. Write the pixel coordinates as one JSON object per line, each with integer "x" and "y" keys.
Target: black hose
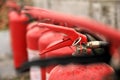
{"x": 93, "y": 35}
{"x": 66, "y": 60}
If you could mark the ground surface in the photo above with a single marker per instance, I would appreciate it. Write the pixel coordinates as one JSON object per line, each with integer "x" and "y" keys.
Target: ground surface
{"x": 6, "y": 61}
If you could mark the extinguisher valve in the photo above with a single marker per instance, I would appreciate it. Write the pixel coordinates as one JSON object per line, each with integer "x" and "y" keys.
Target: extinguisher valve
{"x": 97, "y": 44}
{"x": 82, "y": 50}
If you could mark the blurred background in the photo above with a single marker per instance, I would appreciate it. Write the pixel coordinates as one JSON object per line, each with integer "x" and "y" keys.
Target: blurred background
{"x": 105, "y": 11}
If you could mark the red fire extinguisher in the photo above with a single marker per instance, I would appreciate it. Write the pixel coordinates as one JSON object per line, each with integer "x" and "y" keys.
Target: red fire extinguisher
{"x": 35, "y": 33}
{"x": 32, "y": 36}
{"x": 46, "y": 39}
{"x": 57, "y": 53}
{"x": 17, "y": 26}
{"x": 49, "y": 38}
{"x": 79, "y": 71}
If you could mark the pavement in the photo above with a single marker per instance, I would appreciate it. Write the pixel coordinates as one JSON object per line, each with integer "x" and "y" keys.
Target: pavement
{"x": 6, "y": 60}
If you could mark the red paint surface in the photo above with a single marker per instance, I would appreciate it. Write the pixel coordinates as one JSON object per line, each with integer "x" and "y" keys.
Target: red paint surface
{"x": 58, "y": 53}
{"x": 48, "y": 38}
{"x": 81, "y": 72}
{"x": 32, "y": 37}
{"x": 17, "y": 25}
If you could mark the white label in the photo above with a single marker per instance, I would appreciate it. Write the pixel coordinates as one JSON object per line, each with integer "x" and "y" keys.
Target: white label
{"x": 47, "y": 75}
{"x": 35, "y": 72}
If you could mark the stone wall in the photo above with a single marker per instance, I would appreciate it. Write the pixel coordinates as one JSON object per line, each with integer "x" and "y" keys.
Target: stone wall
{"x": 106, "y": 11}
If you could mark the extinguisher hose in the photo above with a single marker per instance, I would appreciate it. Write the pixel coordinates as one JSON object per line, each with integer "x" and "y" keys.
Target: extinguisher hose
{"x": 91, "y": 34}
{"x": 102, "y": 58}
{"x": 105, "y": 58}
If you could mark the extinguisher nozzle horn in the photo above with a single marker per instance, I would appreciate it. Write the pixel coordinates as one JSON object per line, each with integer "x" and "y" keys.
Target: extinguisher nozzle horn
{"x": 59, "y": 45}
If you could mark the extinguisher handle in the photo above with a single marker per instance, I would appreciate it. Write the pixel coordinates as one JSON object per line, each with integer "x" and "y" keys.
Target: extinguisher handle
{"x": 72, "y": 37}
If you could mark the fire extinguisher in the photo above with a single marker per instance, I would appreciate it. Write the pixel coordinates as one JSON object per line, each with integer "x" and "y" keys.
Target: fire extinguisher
{"x": 72, "y": 35}
{"x": 56, "y": 38}
{"x": 57, "y": 53}
{"x": 49, "y": 38}
{"x": 46, "y": 39}
{"x": 32, "y": 36}
{"x": 35, "y": 33}
{"x": 17, "y": 26}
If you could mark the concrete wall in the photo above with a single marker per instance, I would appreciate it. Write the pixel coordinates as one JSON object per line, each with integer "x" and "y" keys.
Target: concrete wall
{"x": 106, "y": 11}
{"x": 76, "y": 7}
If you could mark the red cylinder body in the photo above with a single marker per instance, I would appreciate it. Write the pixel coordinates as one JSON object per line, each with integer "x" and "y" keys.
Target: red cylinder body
{"x": 17, "y": 25}
{"x": 58, "y": 53}
{"x": 81, "y": 72}
{"x": 33, "y": 34}
{"x": 48, "y": 39}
